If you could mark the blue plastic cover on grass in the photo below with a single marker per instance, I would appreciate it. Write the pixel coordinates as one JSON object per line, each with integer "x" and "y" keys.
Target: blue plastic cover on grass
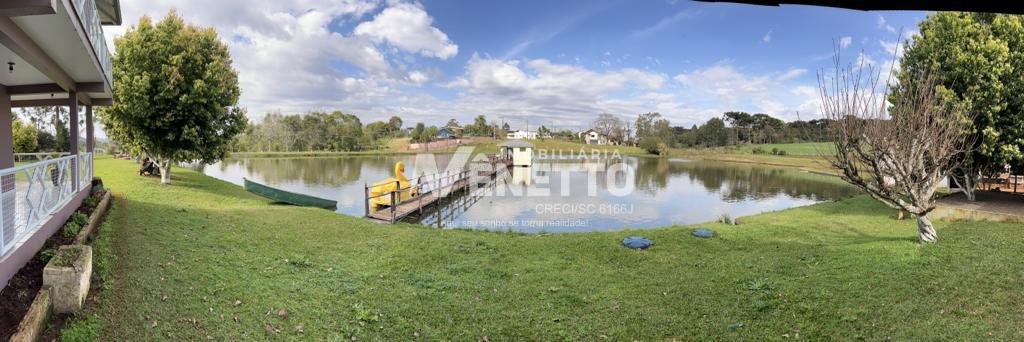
{"x": 703, "y": 232}
{"x": 636, "y": 242}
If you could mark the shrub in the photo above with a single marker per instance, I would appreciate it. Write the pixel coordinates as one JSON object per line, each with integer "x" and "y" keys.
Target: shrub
{"x": 78, "y": 218}
{"x": 758, "y": 150}
{"x": 46, "y": 255}
{"x": 90, "y": 202}
{"x": 71, "y": 229}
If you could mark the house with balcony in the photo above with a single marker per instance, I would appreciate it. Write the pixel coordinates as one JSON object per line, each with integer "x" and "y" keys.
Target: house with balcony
{"x": 55, "y": 55}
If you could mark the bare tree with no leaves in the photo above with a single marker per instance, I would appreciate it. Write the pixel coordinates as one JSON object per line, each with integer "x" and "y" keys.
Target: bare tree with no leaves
{"x": 897, "y": 152}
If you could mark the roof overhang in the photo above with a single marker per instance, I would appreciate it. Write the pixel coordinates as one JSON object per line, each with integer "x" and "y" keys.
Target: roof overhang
{"x": 55, "y": 47}
{"x": 990, "y": 6}
{"x": 109, "y": 11}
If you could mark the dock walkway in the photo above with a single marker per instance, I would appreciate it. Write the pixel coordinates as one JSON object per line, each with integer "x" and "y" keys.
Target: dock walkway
{"x": 431, "y": 189}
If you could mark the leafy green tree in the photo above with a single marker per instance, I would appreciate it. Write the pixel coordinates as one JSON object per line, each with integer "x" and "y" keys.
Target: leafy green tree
{"x": 177, "y": 93}
{"x": 45, "y": 141}
{"x": 479, "y": 127}
{"x": 417, "y": 132}
{"x": 543, "y": 132}
{"x": 978, "y": 62}
{"x": 741, "y": 122}
{"x": 61, "y": 134}
{"x": 24, "y": 136}
{"x": 654, "y": 133}
{"x": 395, "y": 126}
{"x": 712, "y": 134}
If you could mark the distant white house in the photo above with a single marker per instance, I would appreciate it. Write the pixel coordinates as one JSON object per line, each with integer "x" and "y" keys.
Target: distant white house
{"x": 521, "y": 134}
{"x": 593, "y": 137}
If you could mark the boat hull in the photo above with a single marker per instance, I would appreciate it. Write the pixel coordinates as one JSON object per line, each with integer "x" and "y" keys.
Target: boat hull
{"x": 288, "y": 196}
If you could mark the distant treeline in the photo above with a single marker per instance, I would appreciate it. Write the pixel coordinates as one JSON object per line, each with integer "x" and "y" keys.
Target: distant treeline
{"x": 316, "y": 131}
{"x": 654, "y": 133}
{"x": 337, "y": 131}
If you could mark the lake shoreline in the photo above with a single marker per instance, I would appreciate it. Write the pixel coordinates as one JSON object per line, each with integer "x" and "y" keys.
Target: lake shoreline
{"x": 227, "y": 252}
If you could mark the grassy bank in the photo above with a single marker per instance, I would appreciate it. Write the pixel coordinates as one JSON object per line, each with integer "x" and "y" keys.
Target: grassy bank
{"x": 203, "y": 259}
{"x": 799, "y": 155}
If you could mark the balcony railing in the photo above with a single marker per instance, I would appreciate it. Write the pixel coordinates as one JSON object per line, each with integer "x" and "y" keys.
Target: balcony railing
{"x": 86, "y": 11}
{"x": 30, "y": 193}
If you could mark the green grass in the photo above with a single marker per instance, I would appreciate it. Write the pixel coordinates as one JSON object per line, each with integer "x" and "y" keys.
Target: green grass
{"x": 793, "y": 149}
{"x": 202, "y": 259}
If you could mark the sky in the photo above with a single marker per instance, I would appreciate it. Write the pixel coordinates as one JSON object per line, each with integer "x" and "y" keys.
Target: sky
{"x": 532, "y": 63}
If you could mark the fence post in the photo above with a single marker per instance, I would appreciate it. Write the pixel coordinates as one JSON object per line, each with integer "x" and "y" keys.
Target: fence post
{"x": 394, "y": 203}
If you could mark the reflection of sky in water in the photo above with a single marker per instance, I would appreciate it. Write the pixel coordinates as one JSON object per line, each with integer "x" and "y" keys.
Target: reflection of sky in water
{"x": 665, "y": 191}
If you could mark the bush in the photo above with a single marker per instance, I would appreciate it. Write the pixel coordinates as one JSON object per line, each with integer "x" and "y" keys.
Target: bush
{"x": 90, "y": 202}
{"x": 758, "y": 150}
{"x": 79, "y": 218}
{"x": 46, "y": 255}
{"x": 653, "y": 145}
{"x": 71, "y": 229}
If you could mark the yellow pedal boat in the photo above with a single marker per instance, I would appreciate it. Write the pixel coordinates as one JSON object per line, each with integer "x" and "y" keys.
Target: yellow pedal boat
{"x": 397, "y": 183}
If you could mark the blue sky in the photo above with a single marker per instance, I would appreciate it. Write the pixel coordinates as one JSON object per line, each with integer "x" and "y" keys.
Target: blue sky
{"x": 558, "y": 63}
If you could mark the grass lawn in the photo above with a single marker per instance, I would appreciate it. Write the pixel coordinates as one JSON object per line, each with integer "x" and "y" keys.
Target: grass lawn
{"x": 201, "y": 258}
{"x": 793, "y": 149}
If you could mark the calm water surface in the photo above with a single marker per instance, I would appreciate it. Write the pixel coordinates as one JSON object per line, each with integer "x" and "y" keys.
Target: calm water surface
{"x": 562, "y": 195}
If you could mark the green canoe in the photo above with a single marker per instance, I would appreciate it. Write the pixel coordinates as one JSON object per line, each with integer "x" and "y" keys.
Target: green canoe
{"x": 287, "y": 196}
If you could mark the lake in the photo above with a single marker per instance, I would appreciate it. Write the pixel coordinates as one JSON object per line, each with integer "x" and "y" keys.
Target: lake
{"x": 561, "y": 194}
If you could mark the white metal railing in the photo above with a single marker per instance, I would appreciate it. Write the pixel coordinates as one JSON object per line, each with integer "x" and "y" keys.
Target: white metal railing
{"x": 90, "y": 19}
{"x": 38, "y": 156}
{"x": 30, "y": 193}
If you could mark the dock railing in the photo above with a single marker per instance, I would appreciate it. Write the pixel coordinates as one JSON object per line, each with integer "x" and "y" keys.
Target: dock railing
{"x": 439, "y": 184}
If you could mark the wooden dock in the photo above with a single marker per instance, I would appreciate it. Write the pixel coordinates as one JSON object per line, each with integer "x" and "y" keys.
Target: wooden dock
{"x": 432, "y": 189}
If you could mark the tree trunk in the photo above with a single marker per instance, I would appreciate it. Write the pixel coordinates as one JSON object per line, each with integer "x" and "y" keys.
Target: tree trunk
{"x": 165, "y": 171}
{"x": 925, "y": 230}
{"x": 967, "y": 186}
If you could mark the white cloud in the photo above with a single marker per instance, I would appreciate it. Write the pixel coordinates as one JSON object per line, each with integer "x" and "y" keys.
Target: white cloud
{"x": 723, "y": 86}
{"x": 845, "y": 42}
{"x": 664, "y": 23}
{"x": 545, "y": 92}
{"x": 791, "y": 74}
{"x": 892, "y": 47}
{"x": 291, "y": 58}
{"x": 767, "y": 37}
{"x": 863, "y": 60}
{"x": 882, "y": 24}
{"x": 418, "y": 77}
{"x": 408, "y": 27}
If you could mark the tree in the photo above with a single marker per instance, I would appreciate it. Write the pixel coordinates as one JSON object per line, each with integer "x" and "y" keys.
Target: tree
{"x": 610, "y": 126}
{"x": 395, "y": 125}
{"x": 417, "y": 132}
{"x": 712, "y": 134}
{"x": 654, "y": 133}
{"x": 742, "y": 123}
{"x": 976, "y": 59}
{"x": 479, "y": 127}
{"x": 899, "y": 156}
{"x": 61, "y": 134}
{"x": 45, "y": 142}
{"x": 24, "y": 136}
{"x": 177, "y": 93}
{"x": 543, "y": 132}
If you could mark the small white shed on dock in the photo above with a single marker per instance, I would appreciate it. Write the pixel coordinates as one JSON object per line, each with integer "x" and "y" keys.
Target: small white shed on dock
{"x": 520, "y": 151}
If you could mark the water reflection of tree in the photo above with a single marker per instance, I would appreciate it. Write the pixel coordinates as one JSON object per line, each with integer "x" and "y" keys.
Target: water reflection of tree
{"x": 736, "y": 182}
{"x": 329, "y": 171}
